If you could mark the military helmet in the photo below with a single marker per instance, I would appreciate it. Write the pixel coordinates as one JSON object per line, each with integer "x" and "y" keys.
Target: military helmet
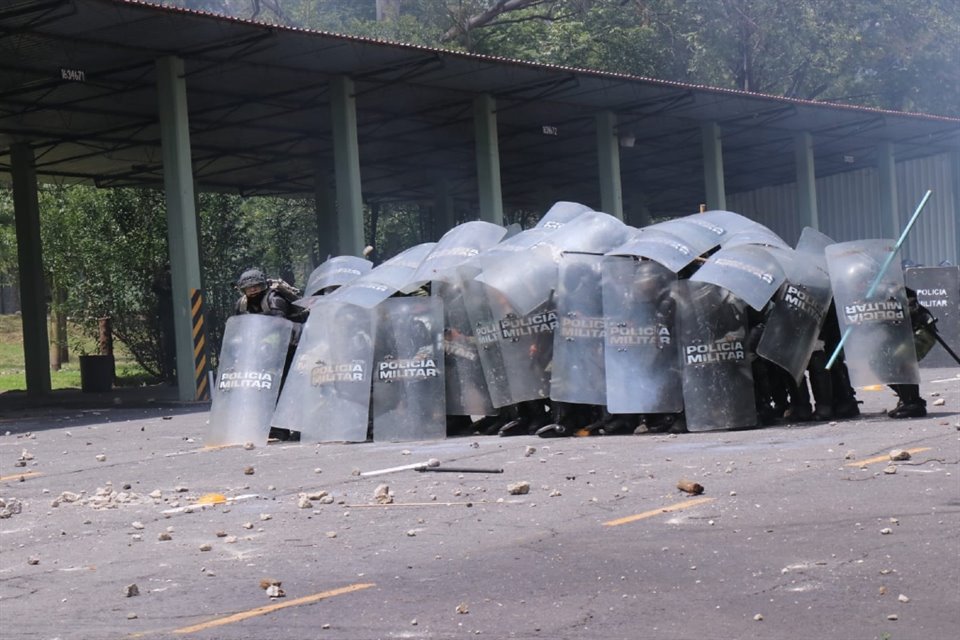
{"x": 252, "y": 278}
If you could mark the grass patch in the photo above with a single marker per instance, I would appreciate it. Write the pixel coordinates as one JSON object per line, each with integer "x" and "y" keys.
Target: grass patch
{"x": 12, "y": 371}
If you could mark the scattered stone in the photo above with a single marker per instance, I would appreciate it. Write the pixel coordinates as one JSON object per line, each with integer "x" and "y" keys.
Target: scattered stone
{"x": 221, "y": 534}
{"x": 230, "y": 539}
{"x": 412, "y": 533}
{"x": 274, "y": 591}
{"x": 101, "y": 457}
{"x": 327, "y": 499}
{"x": 529, "y": 451}
{"x": 265, "y": 516}
{"x": 890, "y": 470}
{"x": 156, "y": 494}
{"x": 902, "y": 598}
{"x": 355, "y": 472}
{"x": 886, "y": 531}
{"x": 325, "y": 625}
{"x": 206, "y": 546}
{"x": 462, "y": 608}
{"x": 10, "y": 507}
{"x": 555, "y": 493}
{"x": 331, "y": 534}
{"x": 131, "y": 590}
{"x": 26, "y": 455}
{"x": 247, "y": 525}
{"x": 248, "y": 471}
{"x": 882, "y": 590}
{"x": 381, "y": 494}
{"x": 693, "y": 488}
{"x": 899, "y": 454}
{"x": 939, "y": 402}
{"x": 137, "y": 525}
{"x": 318, "y": 470}
{"x": 266, "y": 583}
{"x": 304, "y": 502}
{"x": 758, "y": 617}
{"x": 131, "y": 616}
{"x": 249, "y": 445}
{"x": 518, "y": 488}
{"x": 893, "y": 616}
{"x": 33, "y": 560}
{"x": 413, "y": 622}
{"x": 849, "y": 455}
{"x": 164, "y": 536}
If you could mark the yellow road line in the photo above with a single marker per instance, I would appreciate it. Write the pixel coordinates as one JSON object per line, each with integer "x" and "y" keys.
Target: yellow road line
{"x": 259, "y": 611}
{"x": 655, "y": 512}
{"x": 19, "y": 476}
{"x": 883, "y": 458}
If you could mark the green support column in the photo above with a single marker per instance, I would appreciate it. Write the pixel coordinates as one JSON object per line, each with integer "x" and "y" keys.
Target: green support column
{"x": 444, "y": 217}
{"x": 325, "y": 208}
{"x": 181, "y": 214}
{"x": 488, "y": 158}
{"x": 608, "y": 164}
{"x": 713, "y": 166}
{"x": 806, "y": 181}
{"x": 887, "y": 182}
{"x": 33, "y": 302}
{"x": 346, "y": 154}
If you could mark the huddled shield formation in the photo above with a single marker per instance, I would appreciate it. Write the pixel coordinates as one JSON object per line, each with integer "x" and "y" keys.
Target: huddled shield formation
{"x": 581, "y": 324}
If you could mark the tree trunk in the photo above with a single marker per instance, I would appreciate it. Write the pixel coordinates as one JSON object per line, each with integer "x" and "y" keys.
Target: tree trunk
{"x": 105, "y": 340}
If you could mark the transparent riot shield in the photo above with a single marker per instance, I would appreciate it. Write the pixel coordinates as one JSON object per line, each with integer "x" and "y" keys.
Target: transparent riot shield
{"x": 938, "y": 289}
{"x": 408, "y": 389}
{"x": 560, "y": 214}
{"x": 700, "y": 235}
{"x": 326, "y": 396}
{"x": 668, "y": 249}
{"x": 640, "y": 352}
{"x": 395, "y": 275}
{"x": 248, "y": 378}
{"x": 336, "y": 272}
{"x": 578, "y": 367}
{"x": 463, "y": 371}
{"x": 457, "y": 245}
{"x": 813, "y": 243}
{"x": 760, "y": 235}
{"x": 750, "y": 272}
{"x": 879, "y": 348}
{"x": 717, "y": 376}
{"x": 528, "y": 282}
{"x": 797, "y": 314}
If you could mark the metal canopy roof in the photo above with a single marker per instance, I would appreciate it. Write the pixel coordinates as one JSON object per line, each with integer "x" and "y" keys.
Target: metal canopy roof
{"x": 260, "y": 115}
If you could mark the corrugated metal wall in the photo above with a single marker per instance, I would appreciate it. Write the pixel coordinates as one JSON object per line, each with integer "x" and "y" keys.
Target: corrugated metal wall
{"x": 848, "y": 207}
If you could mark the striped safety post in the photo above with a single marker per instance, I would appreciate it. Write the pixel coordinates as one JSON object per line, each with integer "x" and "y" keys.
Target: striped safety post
{"x": 200, "y": 363}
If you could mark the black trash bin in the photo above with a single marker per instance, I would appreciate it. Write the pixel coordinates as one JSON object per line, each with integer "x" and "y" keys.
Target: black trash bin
{"x": 96, "y": 373}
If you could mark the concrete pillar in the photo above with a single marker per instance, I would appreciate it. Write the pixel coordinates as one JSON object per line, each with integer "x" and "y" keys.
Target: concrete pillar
{"x": 444, "y": 216}
{"x": 608, "y": 164}
{"x": 325, "y": 207}
{"x": 887, "y": 181}
{"x": 806, "y": 181}
{"x": 713, "y": 166}
{"x": 488, "y": 158}
{"x": 955, "y": 189}
{"x": 346, "y": 155}
{"x": 33, "y": 302}
{"x": 181, "y": 214}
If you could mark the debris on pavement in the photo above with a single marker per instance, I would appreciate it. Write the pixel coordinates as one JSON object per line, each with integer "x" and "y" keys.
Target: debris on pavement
{"x": 518, "y": 488}
{"x": 690, "y": 487}
{"x": 131, "y": 590}
{"x": 382, "y": 494}
{"x": 900, "y": 454}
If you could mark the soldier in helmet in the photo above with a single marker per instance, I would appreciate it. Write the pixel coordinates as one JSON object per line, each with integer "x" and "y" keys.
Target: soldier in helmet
{"x": 258, "y": 297}
{"x": 909, "y": 403}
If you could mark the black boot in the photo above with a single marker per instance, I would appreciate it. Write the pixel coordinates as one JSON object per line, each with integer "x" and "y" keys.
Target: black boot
{"x": 911, "y": 405}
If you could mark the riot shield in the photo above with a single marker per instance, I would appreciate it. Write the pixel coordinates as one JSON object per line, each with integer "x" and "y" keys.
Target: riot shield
{"x": 578, "y": 368}
{"x": 760, "y": 236}
{"x": 560, "y": 214}
{"x": 393, "y": 276}
{"x": 528, "y": 284}
{"x": 814, "y": 243}
{"x": 668, "y": 249}
{"x": 717, "y": 377}
{"x": 408, "y": 389}
{"x": 700, "y": 235}
{"x": 879, "y": 348}
{"x": 456, "y": 246}
{"x": 798, "y": 312}
{"x": 731, "y": 223}
{"x": 336, "y": 272}
{"x": 750, "y": 272}
{"x": 938, "y": 289}
{"x": 463, "y": 372}
{"x": 248, "y": 378}
{"x": 326, "y": 396}
{"x": 515, "y": 350}
{"x": 640, "y": 352}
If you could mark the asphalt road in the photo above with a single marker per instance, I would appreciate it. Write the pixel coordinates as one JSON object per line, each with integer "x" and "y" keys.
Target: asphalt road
{"x": 802, "y": 531}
